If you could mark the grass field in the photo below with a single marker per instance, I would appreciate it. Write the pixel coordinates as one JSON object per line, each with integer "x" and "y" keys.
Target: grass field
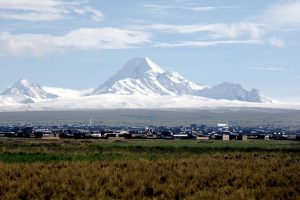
{"x": 145, "y": 117}
{"x": 149, "y": 169}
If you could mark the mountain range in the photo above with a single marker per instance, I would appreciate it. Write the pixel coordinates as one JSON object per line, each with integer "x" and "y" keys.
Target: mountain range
{"x": 140, "y": 78}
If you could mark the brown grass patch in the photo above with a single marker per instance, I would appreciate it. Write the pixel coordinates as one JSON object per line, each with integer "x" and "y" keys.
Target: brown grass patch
{"x": 218, "y": 176}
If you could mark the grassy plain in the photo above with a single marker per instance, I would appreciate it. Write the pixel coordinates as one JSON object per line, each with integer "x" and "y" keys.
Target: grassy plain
{"x": 144, "y": 117}
{"x": 149, "y": 169}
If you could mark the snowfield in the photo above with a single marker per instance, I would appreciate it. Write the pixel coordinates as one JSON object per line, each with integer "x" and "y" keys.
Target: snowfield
{"x": 67, "y": 93}
{"x": 115, "y": 101}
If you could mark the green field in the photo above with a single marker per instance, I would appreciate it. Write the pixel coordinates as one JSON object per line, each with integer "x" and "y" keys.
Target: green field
{"x": 149, "y": 169}
{"x": 32, "y": 150}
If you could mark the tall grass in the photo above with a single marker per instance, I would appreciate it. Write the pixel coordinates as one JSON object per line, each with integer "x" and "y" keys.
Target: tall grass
{"x": 208, "y": 177}
{"x": 86, "y": 169}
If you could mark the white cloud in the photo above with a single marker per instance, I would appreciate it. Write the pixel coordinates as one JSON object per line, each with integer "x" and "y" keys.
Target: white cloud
{"x": 268, "y": 68}
{"x": 222, "y": 33}
{"x": 45, "y": 10}
{"x": 203, "y": 8}
{"x": 216, "y": 30}
{"x": 163, "y": 9}
{"x": 32, "y": 16}
{"x": 277, "y": 42}
{"x": 96, "y": 14}
{"x": 287, "y": 13}
{"x": 155, "y": 9}
{"x": 207, "y": 43}
{"x": 80, "y": 39}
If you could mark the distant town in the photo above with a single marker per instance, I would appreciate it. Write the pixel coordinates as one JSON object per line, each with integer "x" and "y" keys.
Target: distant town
{"x": 194, "y": 131}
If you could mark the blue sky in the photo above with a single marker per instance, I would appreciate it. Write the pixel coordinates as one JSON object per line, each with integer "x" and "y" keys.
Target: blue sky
{"x": 79, "y": 44}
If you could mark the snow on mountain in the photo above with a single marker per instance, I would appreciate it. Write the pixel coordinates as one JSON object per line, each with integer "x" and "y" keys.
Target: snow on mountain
{"x": 139, "y": 84}
{"x": 24, "y": 91}
{"x": 135, "y": 101}
{"x": 67, "y": 93}
{"x": 142, "y": 76}
{"x": 232, "y": 91}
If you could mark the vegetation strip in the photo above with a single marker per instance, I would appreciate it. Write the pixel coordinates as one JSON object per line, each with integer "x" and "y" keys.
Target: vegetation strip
{"x": 14, "y": 151}
{"x": 217, "y": 176}
{"x": 139, "y": 169}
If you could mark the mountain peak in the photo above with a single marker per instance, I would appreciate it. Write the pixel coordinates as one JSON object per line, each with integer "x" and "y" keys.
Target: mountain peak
{"x": 140, "y": 65}
{"x": 142, "y": 76}
{"x": 23, "y": 81}
{"x": 20, "y": 86}
{"x": 134, "y": 69}
{"x": 24, "y": 88}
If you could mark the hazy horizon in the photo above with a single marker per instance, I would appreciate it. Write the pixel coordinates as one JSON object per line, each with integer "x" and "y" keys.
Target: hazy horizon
{"x": 80, "y": 44}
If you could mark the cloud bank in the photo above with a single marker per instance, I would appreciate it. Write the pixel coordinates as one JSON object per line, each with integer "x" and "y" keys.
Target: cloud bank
{"x": 80, "y": 39}
{"x": 45, "y": 10}
{"x": 286, "y": 13}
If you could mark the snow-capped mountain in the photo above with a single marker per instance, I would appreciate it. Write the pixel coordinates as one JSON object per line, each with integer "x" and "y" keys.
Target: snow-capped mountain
{"x": 139, "y": 84}
{"x": 24, "y": 91}
{"x": 142, "y": 76}
{"x": 232, "y": 91}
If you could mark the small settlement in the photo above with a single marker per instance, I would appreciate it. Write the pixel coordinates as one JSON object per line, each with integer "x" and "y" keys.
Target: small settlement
{"x": 194, "y": 131}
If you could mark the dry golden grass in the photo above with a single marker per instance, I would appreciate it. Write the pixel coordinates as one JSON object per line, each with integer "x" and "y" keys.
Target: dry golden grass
{"x": 213, "y": 176}
{"x": 149, "y": 169}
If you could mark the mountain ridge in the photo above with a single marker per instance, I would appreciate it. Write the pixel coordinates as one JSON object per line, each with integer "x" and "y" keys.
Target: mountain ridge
{"x": 139, "y": 76}
{"x": 142, "y": 76}
{"x": 233, "y": 91}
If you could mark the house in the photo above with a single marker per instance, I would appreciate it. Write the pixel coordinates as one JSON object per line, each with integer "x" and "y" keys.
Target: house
{"x": 166, "y": 134}
{"x": 226, "y": 136}
{"x": 135, "y": 134}
{"x": 184, "y": 136}
{"x": 38, "y": 133}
